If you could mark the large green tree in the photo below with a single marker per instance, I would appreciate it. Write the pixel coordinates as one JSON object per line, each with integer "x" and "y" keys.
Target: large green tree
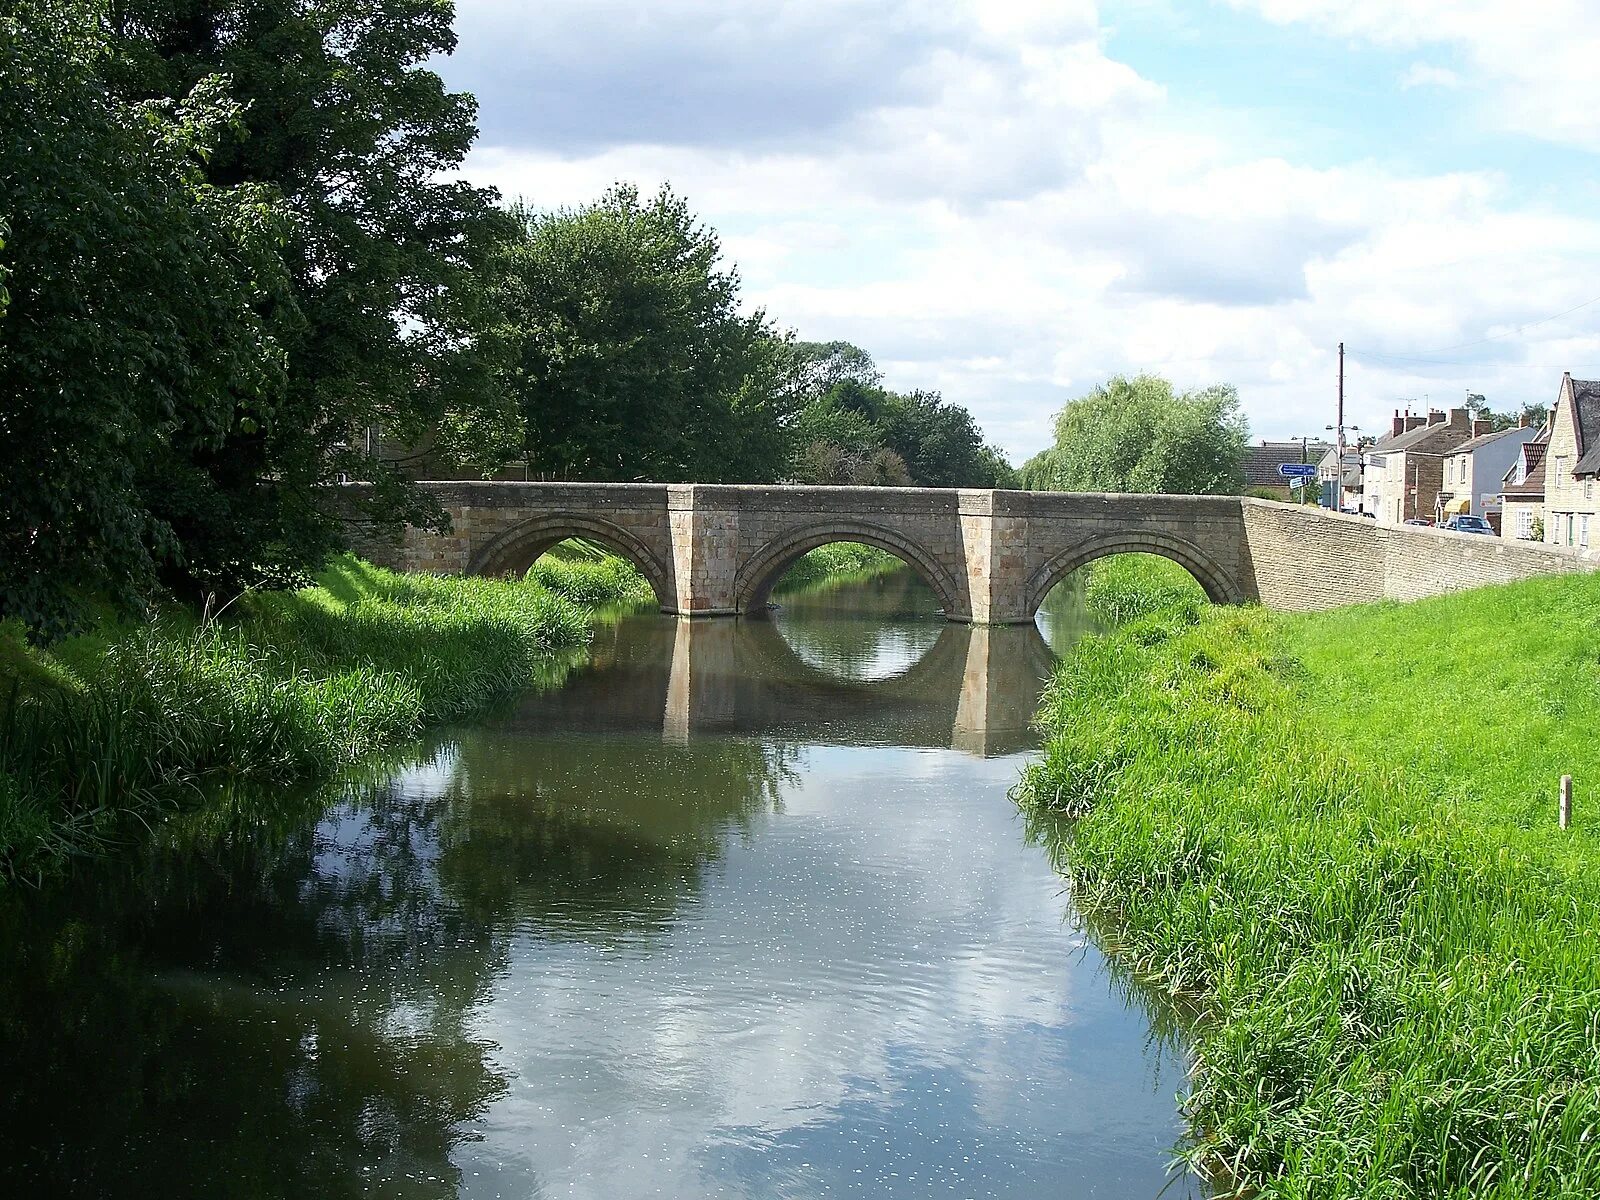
{"x": 386, "y": 324}
{"x": 1138, "y": 435}
{"x": 854, "y": 430}
{"x": 135, "y": 321}
{"x": 632, "y": 359}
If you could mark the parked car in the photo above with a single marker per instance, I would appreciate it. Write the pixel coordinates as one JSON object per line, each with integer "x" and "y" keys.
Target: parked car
{"x": 1466, "y": 523}
{"x": 1419, "y": 521}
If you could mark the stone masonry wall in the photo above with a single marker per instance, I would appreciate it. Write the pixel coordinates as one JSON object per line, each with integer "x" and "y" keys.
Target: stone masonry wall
{"x": 1305, "y": 559}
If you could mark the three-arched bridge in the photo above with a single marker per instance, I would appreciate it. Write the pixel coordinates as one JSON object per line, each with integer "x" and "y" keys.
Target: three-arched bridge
{"x": 990, "y": 556}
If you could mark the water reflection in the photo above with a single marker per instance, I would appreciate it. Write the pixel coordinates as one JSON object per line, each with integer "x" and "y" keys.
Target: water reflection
{"x": 718, "y": 918}
{"x": 914, "y": 682}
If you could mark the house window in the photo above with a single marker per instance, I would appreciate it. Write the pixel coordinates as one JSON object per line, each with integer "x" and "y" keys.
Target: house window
{"x": 1588, "y": 488}
{"x": 1561, "y": 471}
{"x": 1569, "y": 529}
{"x": 1525, "y": 524}
{"x": 1583, "y": 531}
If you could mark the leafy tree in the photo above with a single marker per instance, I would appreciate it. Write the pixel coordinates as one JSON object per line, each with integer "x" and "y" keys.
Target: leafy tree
{"x": 1137, "y": 435}
{"x": 386, "y": 324}
{"x": 631, "y": 357}
{"x": 1532, "y": 413}
{"x": 134, "y": 323}
{"x": 853, "y": 430}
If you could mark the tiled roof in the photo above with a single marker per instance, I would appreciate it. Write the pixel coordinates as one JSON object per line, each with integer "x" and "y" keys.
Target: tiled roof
{"x": 1533, "y": 455}
{"x": 1586, "y": 408}
{"x": 1483, "y": 439}
{"x": 1261, "y": 462}
{"x": 1422, "y": 437}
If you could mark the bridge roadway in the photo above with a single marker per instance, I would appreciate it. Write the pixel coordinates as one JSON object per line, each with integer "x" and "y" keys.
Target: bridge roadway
{"x": 990, "y": 556}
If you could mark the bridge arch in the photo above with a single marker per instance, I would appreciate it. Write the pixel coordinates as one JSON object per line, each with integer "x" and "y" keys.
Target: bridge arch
{"x": 756, "y": 576}
{"x": 1219, "y": 585}
{"x": 516, "y": 549}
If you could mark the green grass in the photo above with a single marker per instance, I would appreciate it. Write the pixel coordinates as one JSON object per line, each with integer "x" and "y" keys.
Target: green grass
{"x": 106, "y": 733}
{"x": 596, "y": 583}
{"x": 1336, "y": 834}
{"x": 1124, "y": 587}
{"x": 837, "y": 562}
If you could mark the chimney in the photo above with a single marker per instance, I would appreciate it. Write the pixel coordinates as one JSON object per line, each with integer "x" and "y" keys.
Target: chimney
{"x": 1399, "y": 424}
{"x": 1435, "y": 417}
{"x": 1414, "y": 422}
{"x": 1522, "y": 421}
{"x": 1460, "y": 418}
{"x": 1481, "y": 427}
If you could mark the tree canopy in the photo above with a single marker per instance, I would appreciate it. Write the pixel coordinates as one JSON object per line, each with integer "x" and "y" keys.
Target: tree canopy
{"x": 341, "y": 116}
{"x": 135, "y": 331}
{"x": 233, "y": 244}
{"x": 631, "y": 359}
{"x": 853, "y": 430}
{"x": 1138, "y": 435}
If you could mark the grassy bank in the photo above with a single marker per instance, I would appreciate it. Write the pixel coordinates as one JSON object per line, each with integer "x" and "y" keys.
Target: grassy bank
{"x": 837, "y": 562}
{"x": 104, "y": 733}
{"x": 1335, "y": 833}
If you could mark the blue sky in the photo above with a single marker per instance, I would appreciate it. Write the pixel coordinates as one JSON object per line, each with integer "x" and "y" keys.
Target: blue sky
{"x": 1011, "y": 202}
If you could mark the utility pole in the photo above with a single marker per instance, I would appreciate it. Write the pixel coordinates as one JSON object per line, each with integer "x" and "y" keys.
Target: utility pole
{"x": 1338, "y": 437}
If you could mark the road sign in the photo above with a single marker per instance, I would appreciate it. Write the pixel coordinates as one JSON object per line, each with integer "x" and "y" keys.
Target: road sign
{"x": 1298, "y": 470}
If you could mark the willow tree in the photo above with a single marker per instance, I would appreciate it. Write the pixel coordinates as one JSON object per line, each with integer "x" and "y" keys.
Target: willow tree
{"x": 1139, "y": 435}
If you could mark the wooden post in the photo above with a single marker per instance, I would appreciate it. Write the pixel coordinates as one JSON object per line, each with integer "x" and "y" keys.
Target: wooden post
{"x": 1566, "y": 801}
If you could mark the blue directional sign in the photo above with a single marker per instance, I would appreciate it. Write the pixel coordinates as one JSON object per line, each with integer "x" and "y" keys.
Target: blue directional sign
{"x": 1298, "y": 470}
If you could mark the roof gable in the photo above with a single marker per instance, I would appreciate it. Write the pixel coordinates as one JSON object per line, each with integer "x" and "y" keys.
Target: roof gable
{"x": 1586, "y": 423}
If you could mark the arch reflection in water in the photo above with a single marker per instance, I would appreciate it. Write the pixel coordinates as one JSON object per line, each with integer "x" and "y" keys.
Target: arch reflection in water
{"x": 972, "y": 689}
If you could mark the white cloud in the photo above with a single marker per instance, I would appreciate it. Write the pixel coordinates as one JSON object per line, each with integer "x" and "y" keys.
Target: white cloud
{"x": 1421, "y": 74}
{"x": 1030, "y": 216}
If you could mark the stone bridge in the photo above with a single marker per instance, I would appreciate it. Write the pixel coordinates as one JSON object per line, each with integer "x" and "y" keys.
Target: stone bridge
{"x": 990, "y": 556}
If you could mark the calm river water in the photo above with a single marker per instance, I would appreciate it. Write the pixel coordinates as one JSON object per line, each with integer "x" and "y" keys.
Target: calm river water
{"x": 741, "y": 910}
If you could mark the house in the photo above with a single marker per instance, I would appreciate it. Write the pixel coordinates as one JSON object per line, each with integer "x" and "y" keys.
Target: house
{"x": 1571, "y": 497}
{"x": 1522, "y": 492}
{"x": 1405, "y": 468}
{"x": 1341, "y": 489}
{"x": 1261, "y": 463}
{"x": 1475, "y": 472}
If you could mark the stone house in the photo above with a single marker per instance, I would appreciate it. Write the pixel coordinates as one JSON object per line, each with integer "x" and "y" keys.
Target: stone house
{"x": 1522, "y": 492}
{"x": 1261, "y": 463}
{"x": 1404, "y": 470}
{"x": 1475, "y": 472}
{"x": 1571, "y": 495}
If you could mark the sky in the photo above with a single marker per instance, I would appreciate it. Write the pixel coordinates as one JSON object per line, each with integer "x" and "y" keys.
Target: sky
{"x": 1012, "y": 202}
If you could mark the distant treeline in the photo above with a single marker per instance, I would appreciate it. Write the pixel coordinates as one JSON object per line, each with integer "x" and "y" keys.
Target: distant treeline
{"x": 234, "y": 243}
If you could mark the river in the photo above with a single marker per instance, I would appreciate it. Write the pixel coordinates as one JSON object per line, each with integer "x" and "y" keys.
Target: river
{"x": 742, "y": 909}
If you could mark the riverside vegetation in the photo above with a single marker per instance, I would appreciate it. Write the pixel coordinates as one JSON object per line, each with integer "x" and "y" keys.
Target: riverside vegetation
{"x": 1333, "y": 837}
{"x": 106, "y": 731}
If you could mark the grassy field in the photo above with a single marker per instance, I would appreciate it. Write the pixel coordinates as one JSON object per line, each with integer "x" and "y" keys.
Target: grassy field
{"x": 1336, "y": 835}
{"x": 105, "y": 733}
